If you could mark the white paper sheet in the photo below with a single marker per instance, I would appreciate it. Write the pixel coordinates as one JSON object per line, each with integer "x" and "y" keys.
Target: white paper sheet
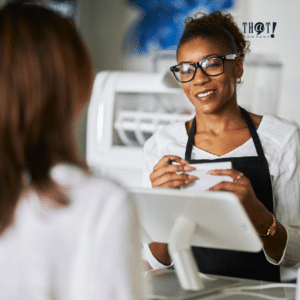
{"x": 207, "y": 181}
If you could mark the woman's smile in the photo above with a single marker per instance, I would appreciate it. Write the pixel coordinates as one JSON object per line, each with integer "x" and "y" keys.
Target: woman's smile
{"x": 206, "y": 94}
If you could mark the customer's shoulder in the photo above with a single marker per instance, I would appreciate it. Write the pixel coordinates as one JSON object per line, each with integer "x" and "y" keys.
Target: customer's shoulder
{"x": 277, "y": 129}
{"x": 88, "y": 185}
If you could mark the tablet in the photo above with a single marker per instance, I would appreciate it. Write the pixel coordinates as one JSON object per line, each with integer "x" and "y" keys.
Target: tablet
{"x": 221, "y": 221}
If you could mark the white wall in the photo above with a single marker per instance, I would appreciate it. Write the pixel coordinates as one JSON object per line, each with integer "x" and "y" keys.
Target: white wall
{"x": 285, "y": 45}
{"x": 103, "y": 24}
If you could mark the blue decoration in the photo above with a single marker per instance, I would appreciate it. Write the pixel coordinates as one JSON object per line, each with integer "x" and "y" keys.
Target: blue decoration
{"x": 161, "y": 22}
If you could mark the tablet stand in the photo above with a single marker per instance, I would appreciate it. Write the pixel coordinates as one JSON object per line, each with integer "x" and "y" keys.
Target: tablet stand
{"x": 180, "y": 251}
{"x": 186, "y": 282}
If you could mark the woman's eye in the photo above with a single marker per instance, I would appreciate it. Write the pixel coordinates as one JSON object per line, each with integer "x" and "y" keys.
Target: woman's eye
{"x": 185, "y": 70}
{"x": 212, "y": 65}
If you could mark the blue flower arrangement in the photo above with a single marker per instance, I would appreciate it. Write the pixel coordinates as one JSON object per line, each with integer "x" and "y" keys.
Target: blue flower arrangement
{"x": 161, "y": 22}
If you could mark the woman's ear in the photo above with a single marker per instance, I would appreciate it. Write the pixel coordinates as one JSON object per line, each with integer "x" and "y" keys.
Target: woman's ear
{"x": 239, "y": 67}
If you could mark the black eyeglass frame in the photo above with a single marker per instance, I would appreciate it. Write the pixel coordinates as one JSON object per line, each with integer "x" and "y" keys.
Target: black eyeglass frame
{"x": 199, "y": 65}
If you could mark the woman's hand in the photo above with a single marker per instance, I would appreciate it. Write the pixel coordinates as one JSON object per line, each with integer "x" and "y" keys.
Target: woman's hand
{"x": 165, "y": 175}
{"x": 258, "y": 213}
{"x": 242, "y": 188}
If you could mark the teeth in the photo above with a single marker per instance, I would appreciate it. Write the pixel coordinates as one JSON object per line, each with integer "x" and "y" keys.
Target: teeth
{"x": 204, "y": 94}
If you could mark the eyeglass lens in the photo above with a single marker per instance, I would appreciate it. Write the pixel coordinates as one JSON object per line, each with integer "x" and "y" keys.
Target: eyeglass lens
{"x": 211, "y": 66}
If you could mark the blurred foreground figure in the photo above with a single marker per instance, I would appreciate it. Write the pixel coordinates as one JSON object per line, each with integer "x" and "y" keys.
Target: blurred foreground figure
{"x": 65, "y": 234}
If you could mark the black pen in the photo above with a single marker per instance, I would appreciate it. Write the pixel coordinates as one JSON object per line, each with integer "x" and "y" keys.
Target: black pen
{"x": 170, "y": 161}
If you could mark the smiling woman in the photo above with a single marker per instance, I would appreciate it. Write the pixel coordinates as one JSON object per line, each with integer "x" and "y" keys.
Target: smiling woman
{"x": 209, "y": 66}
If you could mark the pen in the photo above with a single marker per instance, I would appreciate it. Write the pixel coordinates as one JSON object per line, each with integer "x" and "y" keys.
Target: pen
{"x": 170, "y": 161}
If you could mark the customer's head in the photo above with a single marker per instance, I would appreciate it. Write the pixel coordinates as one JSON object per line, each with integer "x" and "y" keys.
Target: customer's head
{"x": 46, "y": 76}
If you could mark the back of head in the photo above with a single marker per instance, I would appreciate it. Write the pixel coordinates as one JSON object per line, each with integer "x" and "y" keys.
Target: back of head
{"x": 218, "y": 27}
{"x": 46, "y": 73}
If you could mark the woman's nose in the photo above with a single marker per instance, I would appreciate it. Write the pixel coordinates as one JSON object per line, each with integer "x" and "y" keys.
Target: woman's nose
{"x": 200, "y": 76}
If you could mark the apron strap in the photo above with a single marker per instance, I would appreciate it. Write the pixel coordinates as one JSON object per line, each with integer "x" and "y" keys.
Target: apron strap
{"x": 190, "y": 142}
{"x": 254, "y": 135}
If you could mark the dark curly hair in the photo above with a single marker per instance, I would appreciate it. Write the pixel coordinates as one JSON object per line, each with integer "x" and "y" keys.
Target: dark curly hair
{"x": 218, "y": 27}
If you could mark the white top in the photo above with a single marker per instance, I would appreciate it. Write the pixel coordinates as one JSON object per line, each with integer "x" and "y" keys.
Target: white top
{"x": 88, "y": 250}
{"x": 280, "y": 142}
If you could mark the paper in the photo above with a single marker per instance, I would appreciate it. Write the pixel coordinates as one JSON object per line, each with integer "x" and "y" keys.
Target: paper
{"x": 207, "y": 181}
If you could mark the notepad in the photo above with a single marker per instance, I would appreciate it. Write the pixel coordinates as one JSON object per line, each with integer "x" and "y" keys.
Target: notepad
{"x": 207, "y": 181}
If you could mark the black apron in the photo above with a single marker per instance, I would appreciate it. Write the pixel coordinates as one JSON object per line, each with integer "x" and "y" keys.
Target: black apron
{"x": 237, "y": 263}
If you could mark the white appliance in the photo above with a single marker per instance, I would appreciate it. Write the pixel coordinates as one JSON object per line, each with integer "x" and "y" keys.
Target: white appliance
{"x": 126, "y": 108}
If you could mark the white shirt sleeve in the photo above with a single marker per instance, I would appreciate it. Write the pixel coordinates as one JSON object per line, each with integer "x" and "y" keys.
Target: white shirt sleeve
{"x": 150, "y": 159}
{"x": 154, "y": 263}
{"x": 287, "y": 194}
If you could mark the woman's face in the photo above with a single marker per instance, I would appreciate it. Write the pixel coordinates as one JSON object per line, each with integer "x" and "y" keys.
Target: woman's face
{"x": 210, "y": 94}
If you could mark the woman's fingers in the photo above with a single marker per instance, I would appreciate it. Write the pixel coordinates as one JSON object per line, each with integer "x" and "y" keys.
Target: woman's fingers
{"x": 173, "y": 158}
{"x": 228, "y": 186}
{"x": 237, "y": 176}
{"x": 175, "y": 184}
{"x": 171, "y": 175}
{"x": 170, "y": 169}
{"x": 173, "y": 180}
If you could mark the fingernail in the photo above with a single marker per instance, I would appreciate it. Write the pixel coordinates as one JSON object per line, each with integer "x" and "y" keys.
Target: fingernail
{"x": 183, "y": 161}
{"x": 193, "y": 177}
{"x": 188, "y": 168}
{"x": 211, "y": 172}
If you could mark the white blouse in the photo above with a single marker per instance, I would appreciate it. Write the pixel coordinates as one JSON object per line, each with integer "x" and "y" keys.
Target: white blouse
{"x": 280, "y": 142}
{"x": 88, "y": 250}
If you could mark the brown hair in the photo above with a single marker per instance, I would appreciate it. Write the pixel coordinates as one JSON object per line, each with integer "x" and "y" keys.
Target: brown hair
{"x": 219, "y": 27}
{"x": 46, "y": 73}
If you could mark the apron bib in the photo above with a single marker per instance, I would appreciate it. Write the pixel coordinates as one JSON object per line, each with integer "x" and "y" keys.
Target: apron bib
{"x": 236, "y": 263}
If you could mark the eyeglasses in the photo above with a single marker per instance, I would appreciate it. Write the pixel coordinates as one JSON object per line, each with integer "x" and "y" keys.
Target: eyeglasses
{"x": 211, "y": 66}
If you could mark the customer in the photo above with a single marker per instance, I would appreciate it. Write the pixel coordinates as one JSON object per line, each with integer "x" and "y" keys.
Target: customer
{"x": 65, "y": 234}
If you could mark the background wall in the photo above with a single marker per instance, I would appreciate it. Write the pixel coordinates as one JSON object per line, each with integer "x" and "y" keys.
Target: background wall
{"x": 103, "y": 24}
{"x": 285, "y": 45}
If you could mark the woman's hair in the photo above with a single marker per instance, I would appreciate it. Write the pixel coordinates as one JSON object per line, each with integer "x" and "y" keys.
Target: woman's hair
{"x": 217, "y": 27}
{"x": 46, "y": 73}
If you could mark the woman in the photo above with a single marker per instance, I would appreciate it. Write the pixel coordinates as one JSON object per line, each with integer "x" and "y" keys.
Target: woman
{"x": 264, "y": 151}
{"x": 65, "y": 234}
